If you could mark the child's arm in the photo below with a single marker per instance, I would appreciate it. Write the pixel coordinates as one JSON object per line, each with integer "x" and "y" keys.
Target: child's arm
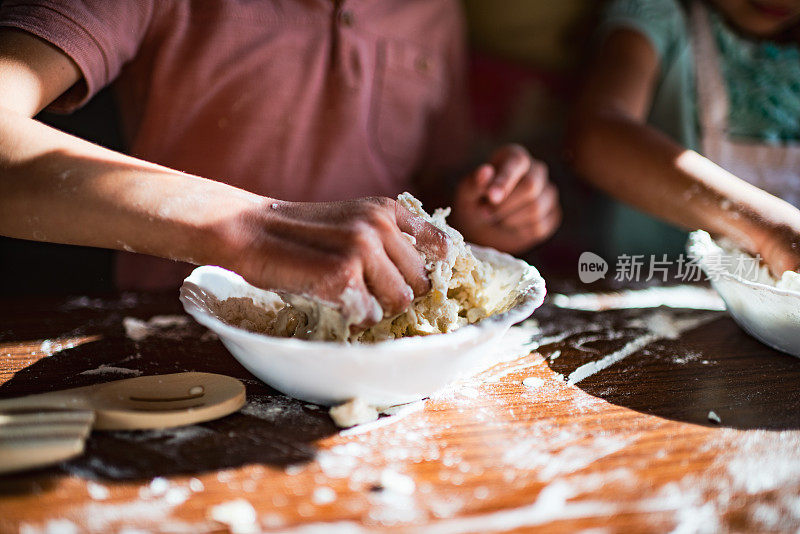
{"x": 508, "y": 203}
{"x": 56, "y": 187}
{"x": 613, "y": 148}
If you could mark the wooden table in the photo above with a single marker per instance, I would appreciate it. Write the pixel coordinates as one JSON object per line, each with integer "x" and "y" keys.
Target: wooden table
{"x": 627, "y": 449}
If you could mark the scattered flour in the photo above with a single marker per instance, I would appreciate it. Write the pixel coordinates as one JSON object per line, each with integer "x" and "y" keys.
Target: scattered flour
{"x": 50, "y": 346}
{"x": 353, "y": 412}
{"x": 127, "y": 300}
{"x": 393, "y": 414}
{"x": 97, "y": 492}
{"x": 238, "y": 515}
{"x": 323, "y": 495}
{"x": 681, "y": 296}
{"x": 54, "y": 526}
{"x": 110, "y": 369}
{"x": 138, "y": 330}
{"x": 558, "y": 462}
{"x": 659, "y": 325}
{"x": 274, "y": 408}
{"x": 533, "y": 382}
{"x": 391, "y": 480}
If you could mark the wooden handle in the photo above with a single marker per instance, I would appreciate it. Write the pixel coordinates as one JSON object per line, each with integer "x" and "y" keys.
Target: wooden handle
{"x": 30, "y": 440}
{"x": 70, "y": 399}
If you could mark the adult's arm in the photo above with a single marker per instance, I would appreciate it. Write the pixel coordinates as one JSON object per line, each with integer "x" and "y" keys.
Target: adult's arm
{"x": 58, "y": 188}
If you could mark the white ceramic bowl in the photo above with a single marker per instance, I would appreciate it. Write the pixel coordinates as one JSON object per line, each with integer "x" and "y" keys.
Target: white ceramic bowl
{"x": 384, "y": 373}
{"x": 769, "y": 314}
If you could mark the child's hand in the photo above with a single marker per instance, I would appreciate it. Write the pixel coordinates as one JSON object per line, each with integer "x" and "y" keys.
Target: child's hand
{"x": 509, "y": 203}
{"x": 780, "y": 249}
{"x": 343, "y": 253}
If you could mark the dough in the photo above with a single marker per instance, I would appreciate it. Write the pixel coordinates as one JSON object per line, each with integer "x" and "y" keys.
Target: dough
{"x": 352, "y": 413}
{"x": 457, "y": 295}
{"x": 790, "y": 280}
{"x": 274, "y": 320}
{"x": 464, "y": 290}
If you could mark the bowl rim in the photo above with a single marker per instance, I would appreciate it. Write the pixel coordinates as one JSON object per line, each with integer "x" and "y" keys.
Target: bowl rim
{"x": 530, "y": 297}
{"x": 700, "y": 241}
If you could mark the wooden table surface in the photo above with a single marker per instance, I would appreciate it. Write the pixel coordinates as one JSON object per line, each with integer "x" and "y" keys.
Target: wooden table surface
{"x": 629, "y": 448}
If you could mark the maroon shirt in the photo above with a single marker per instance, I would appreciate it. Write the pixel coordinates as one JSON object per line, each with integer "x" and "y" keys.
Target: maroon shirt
{"x": 294, "y": 99}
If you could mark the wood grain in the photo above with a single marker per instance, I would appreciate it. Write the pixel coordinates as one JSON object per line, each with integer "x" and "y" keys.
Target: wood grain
{"x": 629, "y": 449}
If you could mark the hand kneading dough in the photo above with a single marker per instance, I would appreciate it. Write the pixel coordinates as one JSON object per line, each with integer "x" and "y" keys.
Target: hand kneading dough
{"x": 737, "y": 257}
{"x": 463, "y": 291}
{"x": 790, "y": 280}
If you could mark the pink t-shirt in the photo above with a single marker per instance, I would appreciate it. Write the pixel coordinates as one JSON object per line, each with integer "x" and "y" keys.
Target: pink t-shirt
{"x": 294, "y": 99}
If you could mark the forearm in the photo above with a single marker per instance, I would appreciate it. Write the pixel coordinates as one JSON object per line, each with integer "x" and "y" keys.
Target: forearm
{"x": 55, "y": 187}
{"x": 642, "y": 167}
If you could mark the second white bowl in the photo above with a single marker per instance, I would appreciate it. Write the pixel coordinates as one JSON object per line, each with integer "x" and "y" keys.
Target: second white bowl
{"x": 768, "y": 313}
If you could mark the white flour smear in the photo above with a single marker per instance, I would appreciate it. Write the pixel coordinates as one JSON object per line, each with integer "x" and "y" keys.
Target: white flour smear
{"x": 682, "y": 296}
{"x": 151, "y": 511}
{"x": 660, "y": 325}
{"x": 111, "y": 370}
{"x": 163, "y": 325}
{"x": 54, "y": 346}
{"x": 127, "y": 300}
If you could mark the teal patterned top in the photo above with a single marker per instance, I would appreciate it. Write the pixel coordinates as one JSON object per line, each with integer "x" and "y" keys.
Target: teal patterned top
{"x": 763, "y": 83}
{"x": 762, "y": 77}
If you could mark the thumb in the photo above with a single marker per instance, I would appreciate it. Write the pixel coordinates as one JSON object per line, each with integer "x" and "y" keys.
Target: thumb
{"x": 474, "y": 185}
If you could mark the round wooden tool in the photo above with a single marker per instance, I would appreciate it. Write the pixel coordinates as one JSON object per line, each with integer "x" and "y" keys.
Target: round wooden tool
{"x": 43, "y": 429}
{"x": 157, "y": 401}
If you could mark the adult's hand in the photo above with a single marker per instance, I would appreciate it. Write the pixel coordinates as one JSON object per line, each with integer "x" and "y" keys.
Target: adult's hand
{"x": 349, "y": 254}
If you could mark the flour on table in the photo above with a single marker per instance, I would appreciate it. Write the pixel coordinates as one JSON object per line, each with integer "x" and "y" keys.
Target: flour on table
{"x": 533, "y": 382}
{"x": 658, "y": 325}
{"x": 110, "y": 369}
{"x": 97, "y": 492}
{"x": 323, "y": 495}
{"x": 464, "y": 290}
{"x": 352, "y": 413}
{"x": 790, "y": 280}
{"x": 238, "y": 515}
{"x": 391, "y": 480}
{"x": 138, "y": 330}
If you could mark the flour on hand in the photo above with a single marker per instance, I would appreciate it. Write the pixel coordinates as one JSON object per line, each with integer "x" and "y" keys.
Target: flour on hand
{"x": 463, "y": 291}
{"x": 790, "y": 280}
